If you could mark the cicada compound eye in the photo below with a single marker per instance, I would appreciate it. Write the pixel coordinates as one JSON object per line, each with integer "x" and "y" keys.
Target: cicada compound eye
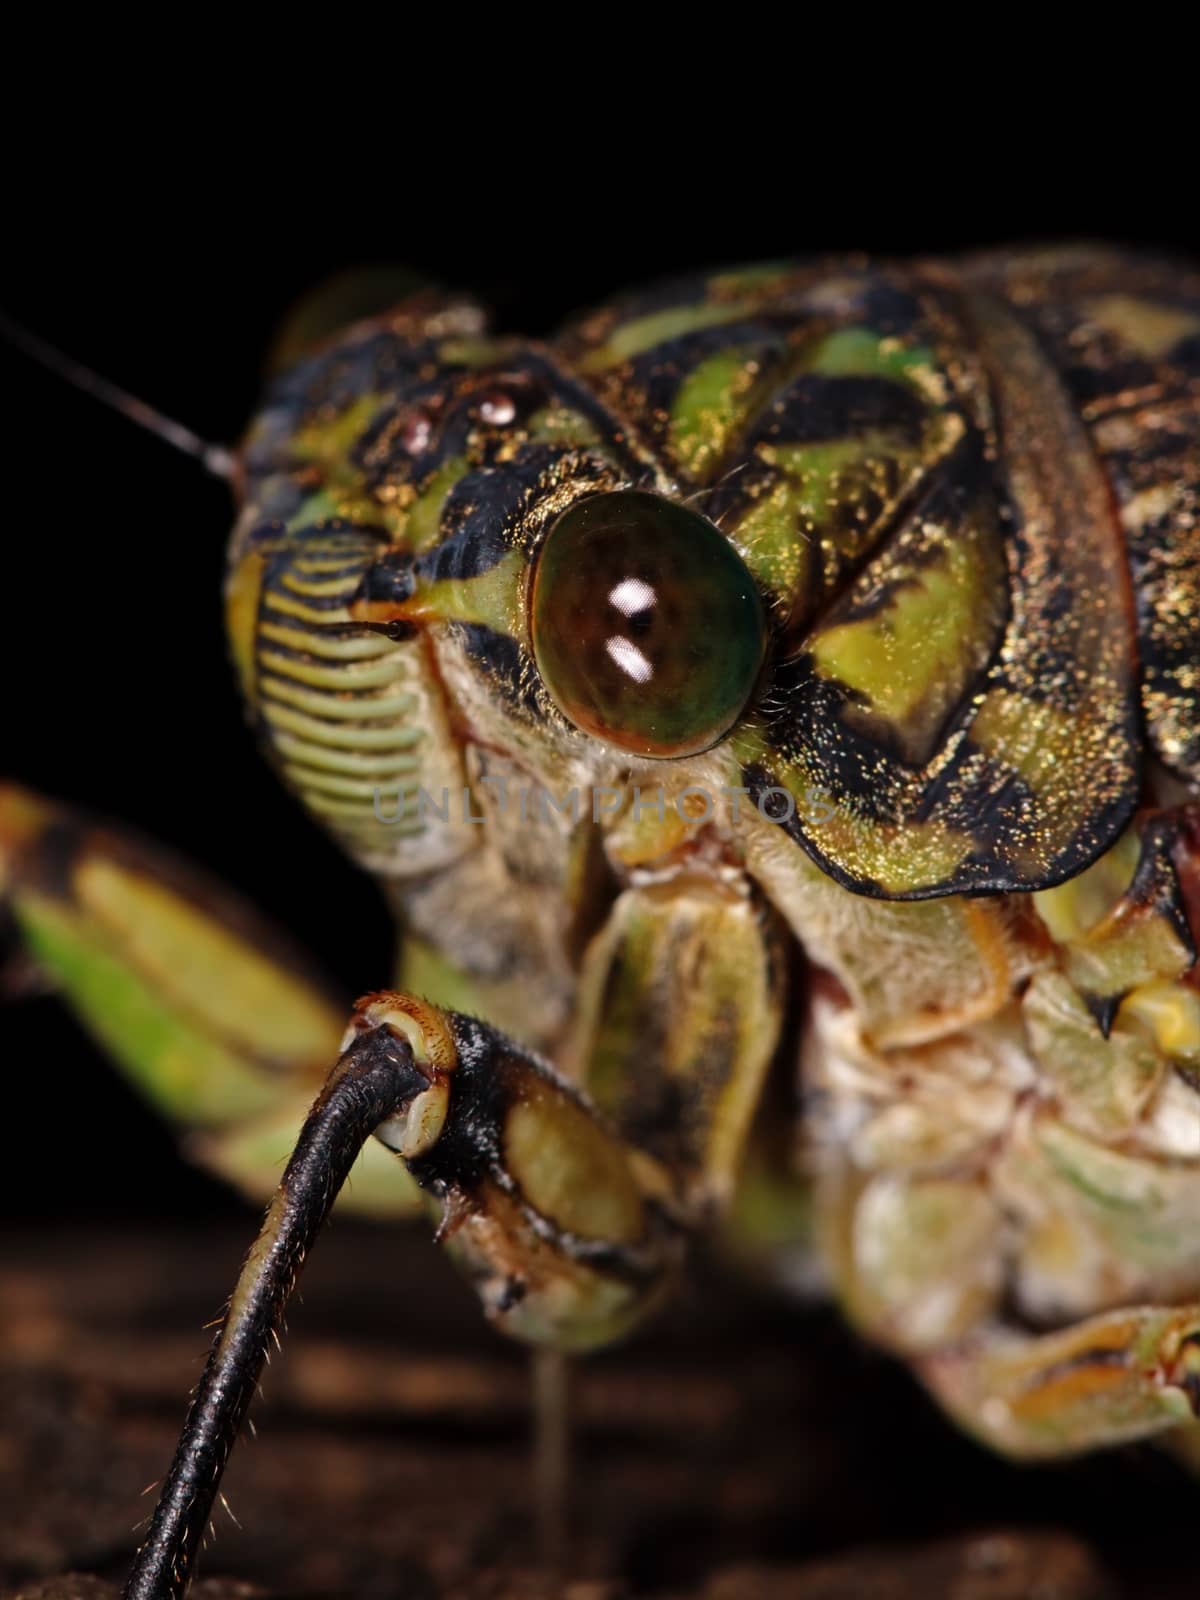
{"x": 647, "y": 628}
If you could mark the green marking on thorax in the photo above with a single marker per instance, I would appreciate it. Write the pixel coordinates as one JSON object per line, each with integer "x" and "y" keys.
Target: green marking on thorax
{"x": 776, "y": 549}
{"x": 894, "y": 657}
{"x": 781, "y": 533}
{"x": 817, "y": 470}
{"x": 862, "y": 353}
{"x": 643, "y": 333}
{"x": 708, "y": 406}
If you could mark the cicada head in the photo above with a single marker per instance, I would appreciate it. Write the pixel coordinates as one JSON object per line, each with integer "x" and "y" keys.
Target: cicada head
{"x": 449, "y": 543}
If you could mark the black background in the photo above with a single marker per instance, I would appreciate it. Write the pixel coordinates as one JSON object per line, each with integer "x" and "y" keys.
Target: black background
{"x": 169, "y": 272}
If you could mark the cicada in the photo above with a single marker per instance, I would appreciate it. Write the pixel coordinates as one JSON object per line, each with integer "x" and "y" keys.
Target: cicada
{"x": 785, "y": 680}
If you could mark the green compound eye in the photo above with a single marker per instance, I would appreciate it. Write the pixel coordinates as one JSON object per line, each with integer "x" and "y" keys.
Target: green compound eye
{"x": 647, "y": 628}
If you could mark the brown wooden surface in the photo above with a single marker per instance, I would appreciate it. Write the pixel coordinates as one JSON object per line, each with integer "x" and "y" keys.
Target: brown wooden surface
{"x": 741, "y": 1448}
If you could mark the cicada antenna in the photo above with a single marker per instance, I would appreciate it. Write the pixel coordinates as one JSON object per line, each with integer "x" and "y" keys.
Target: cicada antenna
{"x": 215, "y": 458}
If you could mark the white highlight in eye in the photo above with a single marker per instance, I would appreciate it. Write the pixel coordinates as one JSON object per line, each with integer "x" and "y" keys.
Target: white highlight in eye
{"x": 631, "y": 596}
{"x": 630, "y": 659}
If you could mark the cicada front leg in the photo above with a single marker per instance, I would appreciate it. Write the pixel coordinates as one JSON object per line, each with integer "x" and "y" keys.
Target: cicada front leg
{"x": 566, "y": 1231}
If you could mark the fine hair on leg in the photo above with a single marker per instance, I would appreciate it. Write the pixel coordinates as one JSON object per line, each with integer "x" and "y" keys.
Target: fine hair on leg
{"x": 374, "y": 1079}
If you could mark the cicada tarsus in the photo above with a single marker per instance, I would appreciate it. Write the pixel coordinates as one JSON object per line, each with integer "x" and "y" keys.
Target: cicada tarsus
{"x": 784, "y": 676}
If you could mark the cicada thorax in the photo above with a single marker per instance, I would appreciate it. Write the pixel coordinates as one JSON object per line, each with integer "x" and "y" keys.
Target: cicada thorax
{"x": 953, "y": 663}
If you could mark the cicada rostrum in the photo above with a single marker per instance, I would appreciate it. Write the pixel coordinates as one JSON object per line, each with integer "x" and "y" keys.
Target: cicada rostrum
{"x": 786, "y": 676}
